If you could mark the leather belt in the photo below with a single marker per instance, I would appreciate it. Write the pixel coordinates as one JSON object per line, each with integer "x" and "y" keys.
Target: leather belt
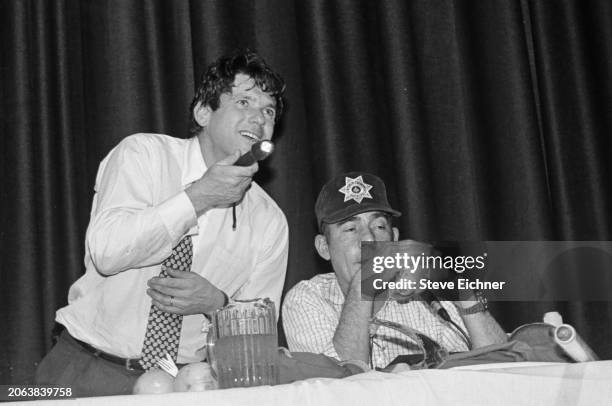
{"x": 129, "y": 363}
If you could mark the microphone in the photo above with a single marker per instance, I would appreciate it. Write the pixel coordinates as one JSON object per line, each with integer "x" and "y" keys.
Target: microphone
{"x": 434, "y": 303}
{"x": 260, "y": 150}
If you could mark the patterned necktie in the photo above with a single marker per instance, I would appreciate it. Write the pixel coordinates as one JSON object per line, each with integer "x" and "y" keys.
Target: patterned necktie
{"x": 164, "y": 329}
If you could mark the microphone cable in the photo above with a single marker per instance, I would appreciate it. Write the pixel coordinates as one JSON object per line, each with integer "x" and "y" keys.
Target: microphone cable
{"x": 436, "y": 306}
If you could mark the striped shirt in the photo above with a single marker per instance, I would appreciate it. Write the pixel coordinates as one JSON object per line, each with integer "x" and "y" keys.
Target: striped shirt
{"x": 311, "y": 313}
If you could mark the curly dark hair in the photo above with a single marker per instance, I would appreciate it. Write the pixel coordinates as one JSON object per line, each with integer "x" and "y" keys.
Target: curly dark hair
{"x": 219, "y": 78}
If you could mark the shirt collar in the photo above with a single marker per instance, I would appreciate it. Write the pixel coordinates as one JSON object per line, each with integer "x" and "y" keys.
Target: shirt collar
{"x": 193, "y": 162}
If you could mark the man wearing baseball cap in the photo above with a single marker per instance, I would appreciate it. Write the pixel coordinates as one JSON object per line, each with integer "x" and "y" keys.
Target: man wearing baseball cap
{"x": 327, "y": 315}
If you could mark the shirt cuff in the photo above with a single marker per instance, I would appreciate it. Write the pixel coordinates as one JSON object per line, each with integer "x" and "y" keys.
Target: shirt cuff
{"x": 178, "y": 215}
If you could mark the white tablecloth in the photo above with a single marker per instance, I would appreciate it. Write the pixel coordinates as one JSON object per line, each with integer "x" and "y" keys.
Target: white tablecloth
{"x": 498, "y": 384}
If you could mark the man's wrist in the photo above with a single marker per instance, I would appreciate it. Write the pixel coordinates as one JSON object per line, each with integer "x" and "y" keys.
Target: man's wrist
{"x": 200, "y": 204}
{"x": 221, "y": 301}
{"x": 477, "y": 304}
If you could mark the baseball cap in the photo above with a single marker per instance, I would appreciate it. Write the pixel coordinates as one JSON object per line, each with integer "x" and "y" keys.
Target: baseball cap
{"x": 349, "y": 194}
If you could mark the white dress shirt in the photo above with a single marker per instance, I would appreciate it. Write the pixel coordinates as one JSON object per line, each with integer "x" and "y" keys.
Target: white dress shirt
{"x": 311, "y": 314}
{"x": 139, "y": 213}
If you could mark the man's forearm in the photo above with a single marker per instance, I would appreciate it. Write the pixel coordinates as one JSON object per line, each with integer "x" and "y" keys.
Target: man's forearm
{"x": 122, "y": 238}
{"x": 351, "y": 339}
{"x": 483, "y": 329}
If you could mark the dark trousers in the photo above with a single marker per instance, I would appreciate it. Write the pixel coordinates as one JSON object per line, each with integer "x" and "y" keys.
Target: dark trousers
{"x": 71, "y": 366}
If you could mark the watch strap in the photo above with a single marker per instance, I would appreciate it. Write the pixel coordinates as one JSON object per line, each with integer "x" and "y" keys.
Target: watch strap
{"x": 480, "y": 307}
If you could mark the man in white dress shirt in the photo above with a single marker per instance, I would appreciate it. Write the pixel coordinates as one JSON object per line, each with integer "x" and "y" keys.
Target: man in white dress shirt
{"x": 327, "y": 314}
{"x": 152, "y": 191}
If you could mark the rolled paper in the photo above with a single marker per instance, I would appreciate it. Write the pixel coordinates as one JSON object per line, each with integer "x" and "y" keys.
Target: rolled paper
{"x": 572, "y": 344}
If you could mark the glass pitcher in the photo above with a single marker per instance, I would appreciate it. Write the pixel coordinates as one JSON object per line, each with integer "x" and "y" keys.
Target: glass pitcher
{"x": 242, "y": 344}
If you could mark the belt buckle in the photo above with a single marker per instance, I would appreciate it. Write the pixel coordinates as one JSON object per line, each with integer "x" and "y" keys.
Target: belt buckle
{"x": 128, "y": 366}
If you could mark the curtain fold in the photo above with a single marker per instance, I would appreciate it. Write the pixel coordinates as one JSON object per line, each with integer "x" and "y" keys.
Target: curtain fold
{"x": 573, "y": 58}
{"x": 487, "y": 121}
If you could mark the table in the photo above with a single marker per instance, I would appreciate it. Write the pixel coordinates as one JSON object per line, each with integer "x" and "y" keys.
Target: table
{"x": 492, "y": 384}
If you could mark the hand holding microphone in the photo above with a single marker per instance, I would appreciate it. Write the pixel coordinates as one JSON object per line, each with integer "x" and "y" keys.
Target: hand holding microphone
{"x": 225, "y": 182}
{"x": 259, "y": 151}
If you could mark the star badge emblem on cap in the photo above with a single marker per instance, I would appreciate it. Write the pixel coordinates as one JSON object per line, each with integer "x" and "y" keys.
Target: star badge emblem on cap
{"x": 355, "y": 189}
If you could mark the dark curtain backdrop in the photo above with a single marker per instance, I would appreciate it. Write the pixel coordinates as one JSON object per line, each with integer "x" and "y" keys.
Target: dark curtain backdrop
{"x": 489, "y": 120}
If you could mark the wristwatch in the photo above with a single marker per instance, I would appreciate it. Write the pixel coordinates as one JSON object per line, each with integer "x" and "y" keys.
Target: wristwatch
{"x": 480, "y": 307}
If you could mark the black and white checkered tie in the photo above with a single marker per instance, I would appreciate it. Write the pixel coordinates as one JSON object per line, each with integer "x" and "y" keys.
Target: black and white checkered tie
{"x": 164, "y": 329}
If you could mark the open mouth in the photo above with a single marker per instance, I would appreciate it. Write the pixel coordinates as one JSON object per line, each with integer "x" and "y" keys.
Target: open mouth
{"x": 251, "y": 136}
